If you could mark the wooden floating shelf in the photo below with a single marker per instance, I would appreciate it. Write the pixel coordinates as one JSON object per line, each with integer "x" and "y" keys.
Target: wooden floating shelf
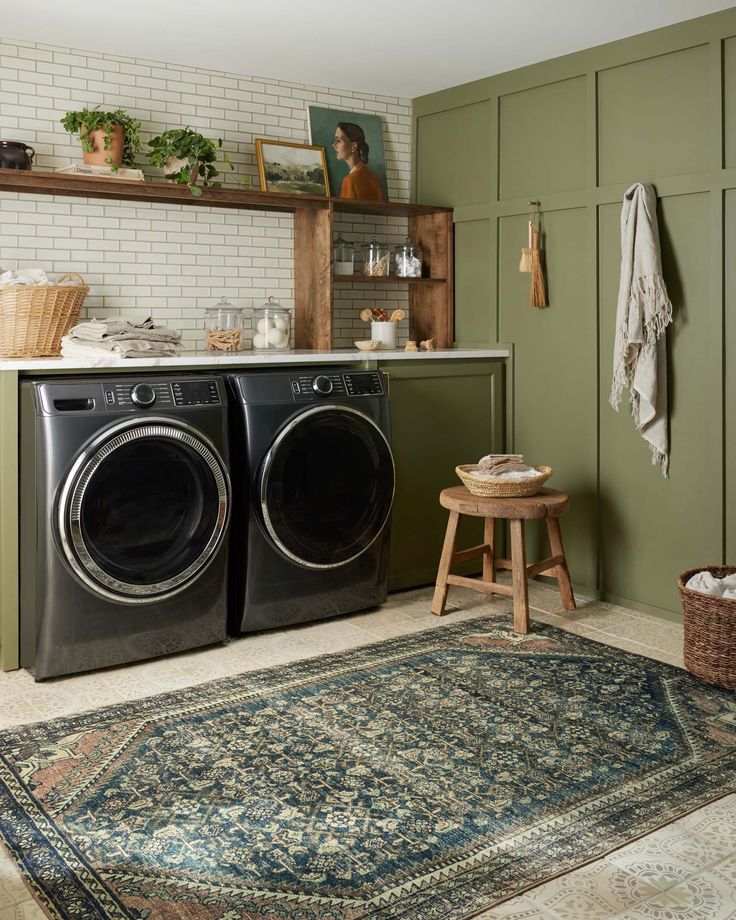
{"x": 51, "y": 183}
{"x": 390, "y": 279}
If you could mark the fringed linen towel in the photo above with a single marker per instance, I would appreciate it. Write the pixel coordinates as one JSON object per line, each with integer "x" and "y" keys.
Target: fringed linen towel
{"x": 643, "y": 314}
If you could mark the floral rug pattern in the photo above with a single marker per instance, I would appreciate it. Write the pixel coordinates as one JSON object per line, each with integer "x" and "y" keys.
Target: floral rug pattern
{"x": 424, "y": 778}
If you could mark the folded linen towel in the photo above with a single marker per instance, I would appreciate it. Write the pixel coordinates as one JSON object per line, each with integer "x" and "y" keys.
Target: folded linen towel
{"x": 506, "y": 474}
{"x": 119, "y": 328}
{"x": 500, "y": 463}
{"x": 25, "y": 276}
{"x": 706, "y": 583}
{"x": 72, "y": 347}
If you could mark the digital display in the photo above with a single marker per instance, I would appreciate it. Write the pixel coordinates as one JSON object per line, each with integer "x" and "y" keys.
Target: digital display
{"x": 195, "y": 392}
{"x": 368, "y": 384}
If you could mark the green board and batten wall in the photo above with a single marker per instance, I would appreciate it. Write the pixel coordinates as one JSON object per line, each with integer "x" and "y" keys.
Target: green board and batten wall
{"x": 574, "y": 133}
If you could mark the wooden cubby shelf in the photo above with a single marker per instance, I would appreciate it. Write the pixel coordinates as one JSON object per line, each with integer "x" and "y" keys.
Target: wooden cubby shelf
{"x": 386, "y": 279}
{"x": 430, "y": 299}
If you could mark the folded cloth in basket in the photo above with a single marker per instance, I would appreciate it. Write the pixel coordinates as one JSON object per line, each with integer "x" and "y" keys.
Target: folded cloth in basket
{"x": 129, "y": 347}
{"x": 706, "y": 583}
{"x": 119, "y": 328}
{"x": 503, "y": 463}
{"x": 529, "y": 473}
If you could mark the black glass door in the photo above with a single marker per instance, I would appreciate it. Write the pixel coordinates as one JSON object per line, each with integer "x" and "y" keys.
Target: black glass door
{"x": 146, "y": 511}
{"x": 327, "y": 486}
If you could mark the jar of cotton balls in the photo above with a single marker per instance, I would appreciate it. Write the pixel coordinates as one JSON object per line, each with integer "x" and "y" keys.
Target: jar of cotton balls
{"x": 272, "y": 325}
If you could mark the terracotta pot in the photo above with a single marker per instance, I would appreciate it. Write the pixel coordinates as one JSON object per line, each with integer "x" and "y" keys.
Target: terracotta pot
{"x": 99, "y": 155}
{"x": 173, "y": 165}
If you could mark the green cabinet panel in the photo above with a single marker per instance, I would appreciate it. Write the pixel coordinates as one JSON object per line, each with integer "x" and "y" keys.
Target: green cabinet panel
{"x": 533, "y": 123}
{"x": 555, "y": 405}
{"x": 653, "y": 117}
{"x": 729, "y": 101}
{"x": 443, "y": 413}
{"x": 475, "y": 315}
{"x": 730, "y": 376}
{"x": 461, "y": 142}
{"x": 652, "y": 528}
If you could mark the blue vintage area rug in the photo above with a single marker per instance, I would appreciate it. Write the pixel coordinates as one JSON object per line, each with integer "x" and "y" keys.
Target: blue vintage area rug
{"x": 425, "y": 777}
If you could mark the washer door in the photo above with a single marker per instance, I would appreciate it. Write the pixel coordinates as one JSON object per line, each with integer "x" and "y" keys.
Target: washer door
{"x": 143, "y": 510}
{"x": 327, "y": 486}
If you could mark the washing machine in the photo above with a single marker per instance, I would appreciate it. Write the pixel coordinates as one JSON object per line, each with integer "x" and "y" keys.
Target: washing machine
{"x": 125, "y": 503}
{"x": 312, "y": 524}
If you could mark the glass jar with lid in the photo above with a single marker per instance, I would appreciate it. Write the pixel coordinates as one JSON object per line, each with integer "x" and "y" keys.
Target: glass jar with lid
{"x": 408, "y": 260}
{"x": 343, "y": 257}
{"x": 223, "y": 325}
{"x": 271, "y": 326}
{"x": 376, "y": 258}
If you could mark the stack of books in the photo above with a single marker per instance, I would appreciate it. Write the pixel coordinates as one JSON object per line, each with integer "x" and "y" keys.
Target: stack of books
{"x": 102, "y": 172}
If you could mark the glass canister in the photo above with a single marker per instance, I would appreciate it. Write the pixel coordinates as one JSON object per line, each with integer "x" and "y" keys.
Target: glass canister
{"x": 224, "y": 327}
{"x": 271, "y": 326}
{"x": 343, "y": 256}
{"x": 408, "y": 260}
{"x": 376, "y": 258}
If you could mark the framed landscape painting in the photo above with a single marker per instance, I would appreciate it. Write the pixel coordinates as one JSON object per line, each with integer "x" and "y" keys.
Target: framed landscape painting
{"x": 356, "y": 165}
{"x": 293, "y": 169}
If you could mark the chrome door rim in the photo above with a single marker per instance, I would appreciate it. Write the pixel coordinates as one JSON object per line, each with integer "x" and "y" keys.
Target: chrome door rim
{"x": 268, "y": 462}
{"x": 71, "y": 498}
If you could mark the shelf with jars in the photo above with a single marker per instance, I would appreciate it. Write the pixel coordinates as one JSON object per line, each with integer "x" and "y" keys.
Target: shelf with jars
{"x": 430, "y": 228}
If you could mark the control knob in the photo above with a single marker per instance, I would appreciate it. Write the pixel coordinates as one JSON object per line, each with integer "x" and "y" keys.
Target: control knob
{"x": 322, "y": 385}
{"x": 143, "y": 395}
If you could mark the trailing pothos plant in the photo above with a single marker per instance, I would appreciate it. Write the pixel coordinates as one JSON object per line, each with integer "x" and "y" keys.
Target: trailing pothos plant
{"x": 186, "y": 155}
{"x": 87, "y": 120}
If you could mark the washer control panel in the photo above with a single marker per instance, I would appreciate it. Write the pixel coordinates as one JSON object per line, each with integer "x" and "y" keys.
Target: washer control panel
{"x": 153, "y": 394}
{"x": 312, "y": 387}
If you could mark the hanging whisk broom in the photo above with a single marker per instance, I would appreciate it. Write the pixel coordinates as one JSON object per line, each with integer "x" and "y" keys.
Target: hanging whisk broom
{"x": 537, "y": 292}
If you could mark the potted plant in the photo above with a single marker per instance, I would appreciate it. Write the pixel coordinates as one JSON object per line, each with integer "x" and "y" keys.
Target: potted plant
{"x": 185, "y": 156}
{"x": 108, "y": 138}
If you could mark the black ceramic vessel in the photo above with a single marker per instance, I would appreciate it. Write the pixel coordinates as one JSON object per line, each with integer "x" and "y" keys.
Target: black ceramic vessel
{"x": 16, "y": 155}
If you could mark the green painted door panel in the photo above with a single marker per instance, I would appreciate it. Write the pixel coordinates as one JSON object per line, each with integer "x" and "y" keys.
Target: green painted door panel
{"x": 442, "y": 414}
{"x": 535, "y": 122}
{"x": 730, "y": 376}
{"x": 555, "y": 402}
{"x": 652, "y": 528}
{"x": 653, "y": 117}
{"x": 456, "y": 173}
{"x": 729, "y": 101}
{"x": 475, "y": 315}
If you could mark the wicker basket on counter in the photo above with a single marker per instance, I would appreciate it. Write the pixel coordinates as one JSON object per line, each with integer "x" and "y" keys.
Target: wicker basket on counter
{"x": 500, "y": 486}
{"x": 34, "y": 317}
{"x": 710, "y": 630}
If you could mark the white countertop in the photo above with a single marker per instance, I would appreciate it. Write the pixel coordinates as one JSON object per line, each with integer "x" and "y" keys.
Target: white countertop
{"x": 246, "y": 359}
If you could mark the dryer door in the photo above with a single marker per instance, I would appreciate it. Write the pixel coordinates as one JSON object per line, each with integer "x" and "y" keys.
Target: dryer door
{"x": 143, "y": 510}
{"x": 327, "y": 486}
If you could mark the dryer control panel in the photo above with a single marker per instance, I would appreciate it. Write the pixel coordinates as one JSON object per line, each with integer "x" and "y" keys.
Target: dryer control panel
{"x": 312, "y": 387}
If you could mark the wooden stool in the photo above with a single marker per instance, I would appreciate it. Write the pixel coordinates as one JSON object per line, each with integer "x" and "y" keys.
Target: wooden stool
{"x": 547, "y": 504}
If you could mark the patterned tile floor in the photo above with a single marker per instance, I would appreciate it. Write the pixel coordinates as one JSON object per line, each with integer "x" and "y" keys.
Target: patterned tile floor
{"x": 685, "y": 871}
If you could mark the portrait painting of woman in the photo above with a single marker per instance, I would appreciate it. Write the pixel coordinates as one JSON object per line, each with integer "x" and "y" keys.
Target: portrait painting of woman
{"x": 350, "y": 145}
{"x": 355, "y": 159}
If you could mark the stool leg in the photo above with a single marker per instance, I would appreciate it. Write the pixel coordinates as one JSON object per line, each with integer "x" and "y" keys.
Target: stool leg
{"x": 561, "y": 572}
{"x": 448, "y": 548}
{"x": 489, "y": 557}
{"x": 518, "y": 577}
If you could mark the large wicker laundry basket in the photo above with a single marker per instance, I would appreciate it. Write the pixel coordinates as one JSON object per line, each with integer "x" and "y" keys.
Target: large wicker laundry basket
{"x": 34, "y": 317}
{"x": 710, "y": 630}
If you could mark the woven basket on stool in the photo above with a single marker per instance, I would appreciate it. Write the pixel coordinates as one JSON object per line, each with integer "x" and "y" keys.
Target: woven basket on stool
{"x": 498, "y": 486}
{"x": 34, "y": 317}
{"x": 710, "y": 630}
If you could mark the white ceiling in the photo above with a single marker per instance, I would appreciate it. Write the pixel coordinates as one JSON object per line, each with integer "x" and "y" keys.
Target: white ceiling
{"x": 392, "y": 47}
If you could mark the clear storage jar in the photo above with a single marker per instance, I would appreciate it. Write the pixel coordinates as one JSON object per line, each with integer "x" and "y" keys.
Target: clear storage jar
{"x": 343, "y": 257}
{"x": 271, "y": 326}
{"x": 223, "y": 325}
{"x": 408, "y": 260}
{"x": 376, "y": 258}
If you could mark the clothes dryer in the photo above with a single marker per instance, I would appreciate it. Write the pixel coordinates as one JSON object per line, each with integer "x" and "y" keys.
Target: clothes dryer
{"x": 314, "y": 483}
{"x": 125, "y": 501}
